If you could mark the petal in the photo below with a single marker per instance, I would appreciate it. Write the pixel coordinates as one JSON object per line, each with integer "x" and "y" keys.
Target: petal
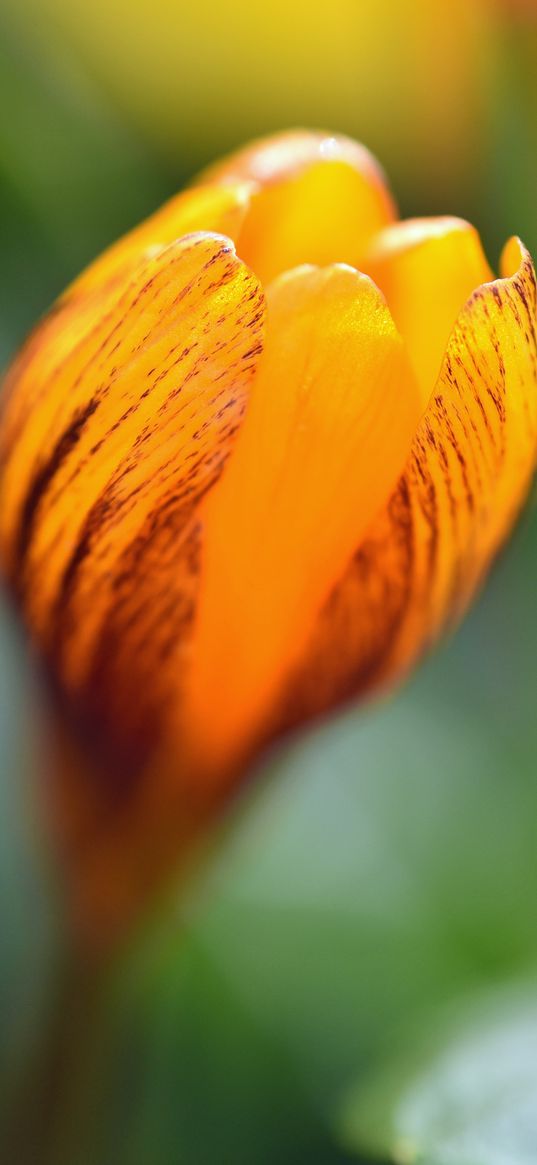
{"x": 427, "y": 269}
{"x": 100, "y": 488}
{"x": 328, "y": 428}
{"x": 94, "y": 293}
{"x": 468, "y": 474}
{"x": 320, "y": 200}
{"x": 277, "y": 157}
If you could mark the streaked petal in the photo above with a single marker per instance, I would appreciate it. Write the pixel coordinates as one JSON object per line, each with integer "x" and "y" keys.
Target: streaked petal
{"x": 329, "y": 425}
{"x": 468, "y": 474}
{"x": 93, "y": 294}
{"x": 101, "y": 487}
{"x": 320, "y": 200}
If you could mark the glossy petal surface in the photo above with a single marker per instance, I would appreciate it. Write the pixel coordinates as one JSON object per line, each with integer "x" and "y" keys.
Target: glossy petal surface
{"x": 328, "y": 428}
{"x": 427, "y": 269}
{"x": 320, "y": 199}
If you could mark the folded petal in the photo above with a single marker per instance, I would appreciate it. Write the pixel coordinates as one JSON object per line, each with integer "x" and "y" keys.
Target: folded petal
{"x": 329, "y": 425}
{"x": 320, "y": 200}
{"x": 468, "y": 474}
{"x": 99, "y": 492}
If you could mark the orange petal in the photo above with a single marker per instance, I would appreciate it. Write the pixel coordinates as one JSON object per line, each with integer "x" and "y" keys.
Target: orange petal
{"x": 99, "y": 491}
{"x": 328, "y": 428}
{"x": 320, "y": 200}
{"x": 427, "y": 269}
{"x": 93, "y": 294}
{"x": 469, "y": 472}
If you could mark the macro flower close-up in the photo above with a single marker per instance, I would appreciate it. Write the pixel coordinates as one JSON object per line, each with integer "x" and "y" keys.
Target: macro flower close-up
{"x": 268, "y": 550}
{"x": 259, "y": 455}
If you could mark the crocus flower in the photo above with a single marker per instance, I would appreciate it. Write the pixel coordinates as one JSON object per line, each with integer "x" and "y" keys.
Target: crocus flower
{"x": 259, "y": 455}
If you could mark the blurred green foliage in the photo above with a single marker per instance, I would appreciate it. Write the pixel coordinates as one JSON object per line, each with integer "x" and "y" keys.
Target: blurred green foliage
{"x": 72, "y": 175}
{"x": 380, "y": 868}
{"x": 472, "y": 1097}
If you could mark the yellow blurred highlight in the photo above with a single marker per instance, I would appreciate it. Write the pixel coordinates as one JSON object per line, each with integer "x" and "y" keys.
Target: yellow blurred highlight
{"x": 405, "y": 77}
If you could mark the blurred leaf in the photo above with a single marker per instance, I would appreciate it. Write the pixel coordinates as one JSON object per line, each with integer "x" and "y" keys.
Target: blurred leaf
{"x": 175, "y": 1070}
{"x": 28, "y": 925}
{"x": 471, "y": 1101}
{"x": 509, "y": 178}
{"x": 72, "y": 175}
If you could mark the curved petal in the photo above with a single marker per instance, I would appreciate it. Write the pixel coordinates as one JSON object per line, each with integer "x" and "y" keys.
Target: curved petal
{"x": 93, "y": 294}
{"x": 320, "y": 200}
{"x": 328, "y": 428}
{"x": 99, "y": 492}
{"x": 469, "y": 471}
{"x": 279, "y": 156}
{"x": 427, "y": 269}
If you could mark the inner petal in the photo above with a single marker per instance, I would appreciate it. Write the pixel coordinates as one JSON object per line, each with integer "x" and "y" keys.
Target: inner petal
{"x": 427, "y": 269}
{"x": 329, "y": 423}
{"x": 326, "y": 213}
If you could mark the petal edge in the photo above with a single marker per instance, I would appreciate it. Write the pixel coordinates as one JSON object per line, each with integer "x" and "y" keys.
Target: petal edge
{"x": 468, "y": 474}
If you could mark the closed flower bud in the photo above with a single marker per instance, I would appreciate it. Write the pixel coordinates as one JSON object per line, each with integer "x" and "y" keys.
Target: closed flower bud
{"x": 257, "y": 458}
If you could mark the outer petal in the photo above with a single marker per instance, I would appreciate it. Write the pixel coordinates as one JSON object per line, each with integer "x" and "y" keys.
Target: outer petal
{"x": 100, "y": 489}
{"x": 94, "y": 293}
{"x": 468, "y": 474}
{"x": 320, "y": 200}
{"x": 329, "y": 425}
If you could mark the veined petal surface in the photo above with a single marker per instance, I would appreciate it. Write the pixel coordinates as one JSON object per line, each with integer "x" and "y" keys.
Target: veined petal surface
{"x": 99, "y": 492}
{"x": 92, "y": 296}
{"x": 467, "y": 476}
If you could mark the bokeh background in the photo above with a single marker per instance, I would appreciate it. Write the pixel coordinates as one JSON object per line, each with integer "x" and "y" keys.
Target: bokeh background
{"x": 376, "y": 888}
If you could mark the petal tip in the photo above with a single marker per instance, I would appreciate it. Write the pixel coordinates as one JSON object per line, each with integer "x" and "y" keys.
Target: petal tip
{"x": 514, "y": 256}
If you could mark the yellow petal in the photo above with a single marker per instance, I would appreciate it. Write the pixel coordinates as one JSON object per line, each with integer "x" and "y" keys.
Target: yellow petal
{"x": 328, "y": 428}
{"x": 427, "y": 269}
{"x": 99, "y": 491}
{"x": 271, "y": 159}
{"x": 469, "y": 472}
{"x": 94, "y": 293}
{"x": 320, "y": 200}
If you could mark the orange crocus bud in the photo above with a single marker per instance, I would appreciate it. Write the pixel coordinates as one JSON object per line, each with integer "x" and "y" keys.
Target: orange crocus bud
{"x": 254, "y": 462}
